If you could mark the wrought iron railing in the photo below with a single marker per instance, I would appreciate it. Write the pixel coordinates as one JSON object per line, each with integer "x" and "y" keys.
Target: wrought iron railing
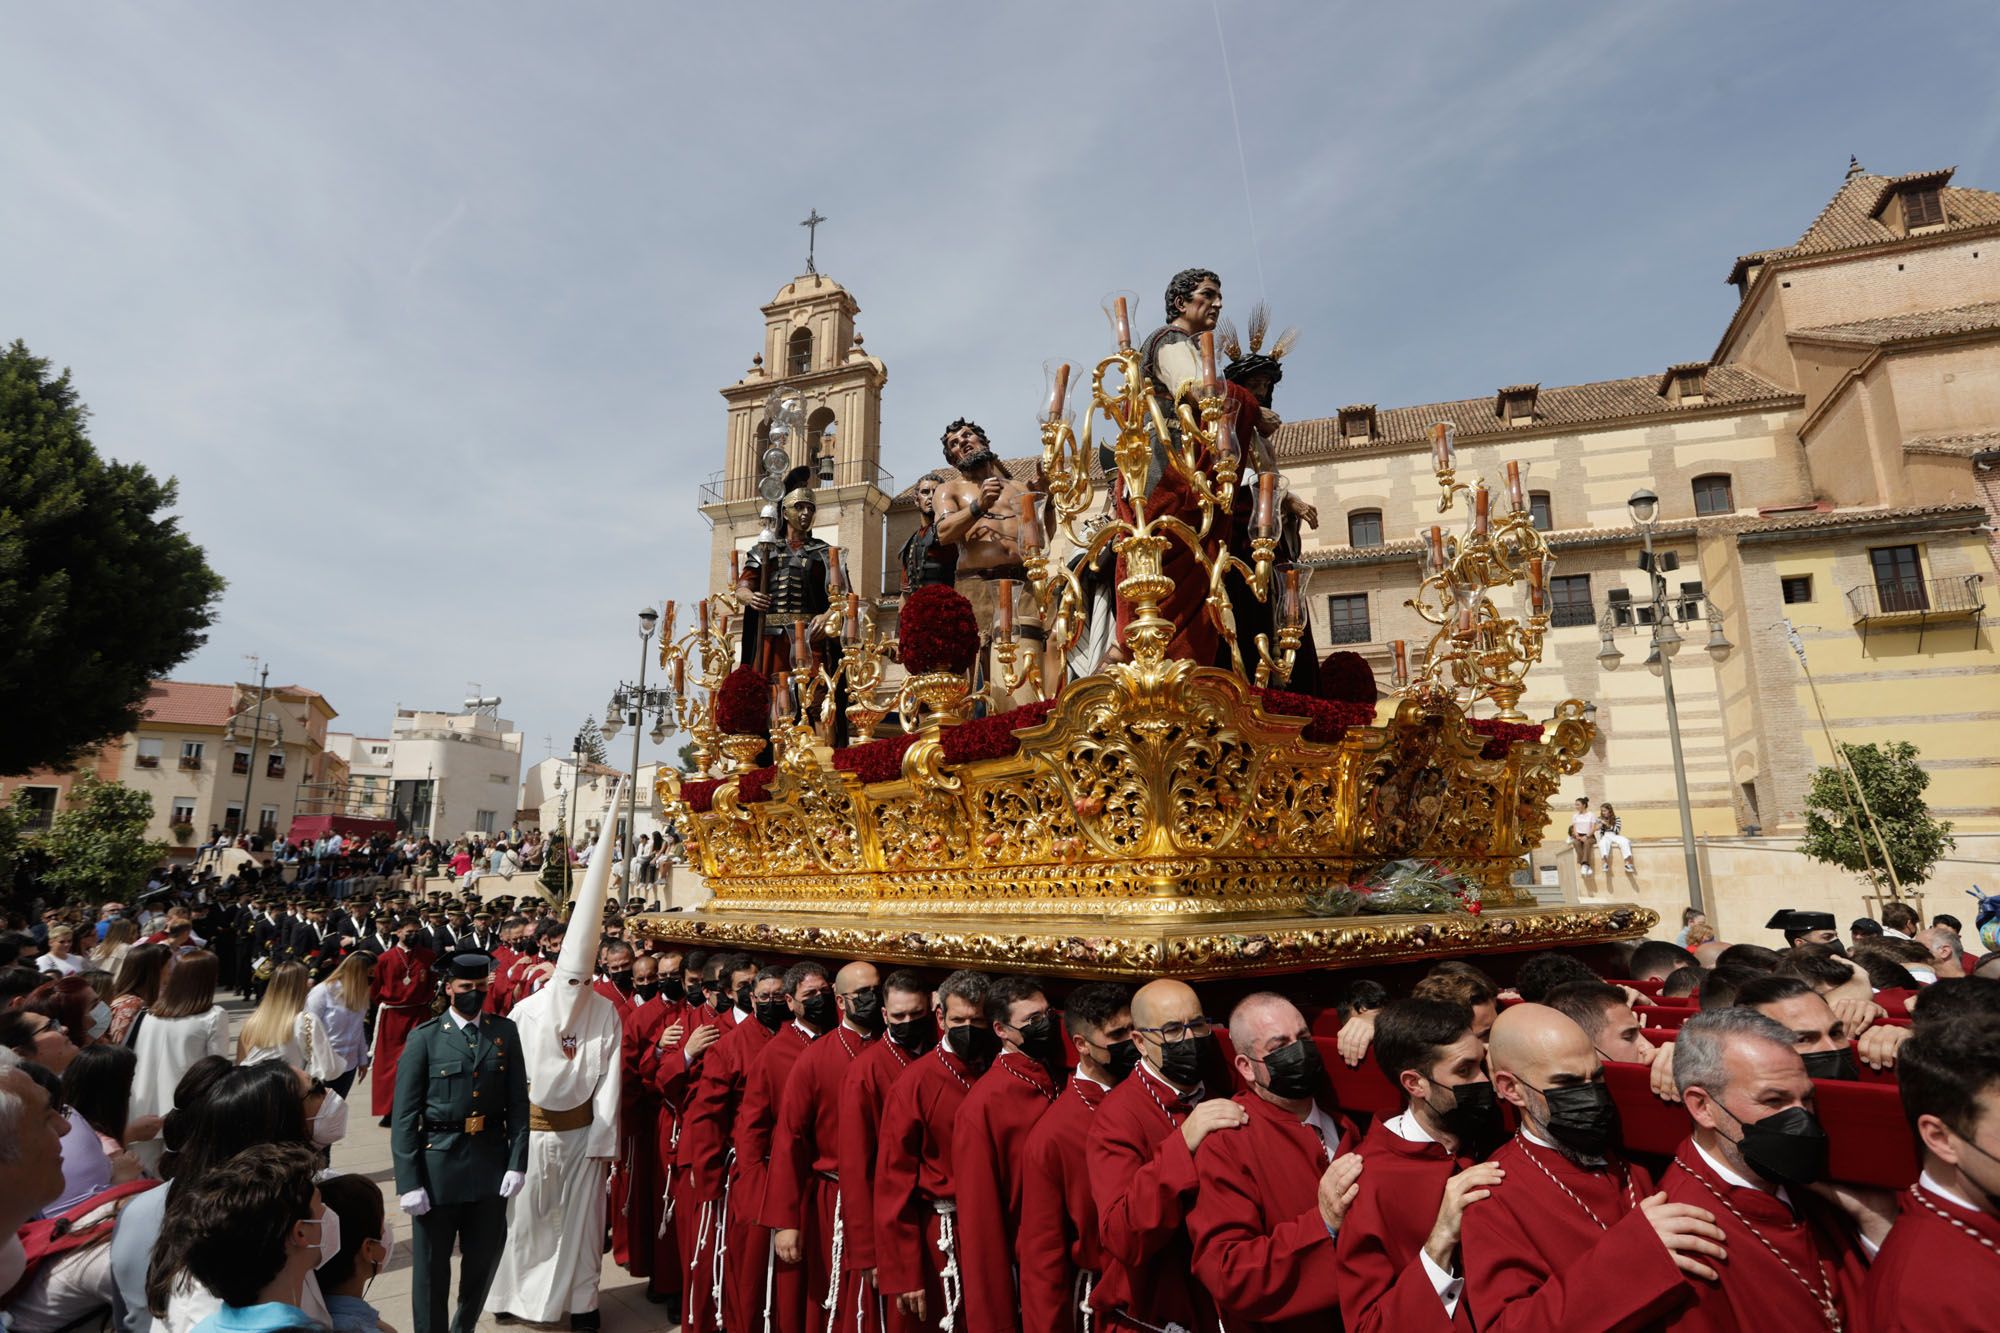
{"x": 1904, "y": 597}
{"x": 722, "y": 487}
{"x": 1349, "y": 631}
{"x": 1568, "y": 615}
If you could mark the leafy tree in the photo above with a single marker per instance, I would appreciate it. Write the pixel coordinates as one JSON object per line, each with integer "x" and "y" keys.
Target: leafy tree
{"x": 593, "y": 742}
{"x": 99, "y": 589}
{"x": 1894, "y": 783}
{"x": 685, "y": 757}
{"x": 97, "y": 848}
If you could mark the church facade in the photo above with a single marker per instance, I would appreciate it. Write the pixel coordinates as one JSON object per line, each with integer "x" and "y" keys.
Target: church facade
{"x": 1831, "y": 463}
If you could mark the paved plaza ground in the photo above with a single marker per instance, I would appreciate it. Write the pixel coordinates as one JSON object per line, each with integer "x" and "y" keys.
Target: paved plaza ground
{"x": 365, "y": 1151}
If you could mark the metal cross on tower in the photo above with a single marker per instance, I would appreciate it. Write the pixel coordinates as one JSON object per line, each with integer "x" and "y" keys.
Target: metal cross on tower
{"x": 811, "y": 224}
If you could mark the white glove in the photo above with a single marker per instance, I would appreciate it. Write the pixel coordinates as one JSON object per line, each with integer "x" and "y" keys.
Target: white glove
{"x": 510, "y": 1184}
{"x": 416, "y": 1203}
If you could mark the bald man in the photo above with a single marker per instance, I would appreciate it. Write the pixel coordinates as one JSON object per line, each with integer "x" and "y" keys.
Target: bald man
{"x": 1574, "y": 1236}
{"x": 1270, "y": 1198}
{"x": 1141, "y": 1162}
{"x": 802, "y": 1191}
{"x": 1797, "y": 1246}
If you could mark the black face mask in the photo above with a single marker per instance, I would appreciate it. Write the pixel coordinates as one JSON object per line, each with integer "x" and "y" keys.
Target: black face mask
{"x": 1293, "y": 1071}
{"x": 1039, "y": 1040}
{"x": 671, "y": 988}
{"x": 916, "y": 1036}
{"x": 1122, "y": 1058}
{"x": 646, "y": 990}
{"x": 1473, "y": 1118}
{"x": 1583, "y": 1118}
{"x": 407, "y": 941}
{"x": 773, "y": 1013}
{"x": 1832, "y": 1064}
{"x": 1788, "y": 1148}
{"x": 743, "y": 1000}
{"x": 1992, "y": 1199}
{"x": 622, "y": 979}
{"x": 818, "y": 1011}
{"x": 697, "y": 993}
{"x": 552, "y": 952}
{"x": 1180, "y": 1061}
{"x": 468, "y": 1002}
{"x": 974, "y": 1046}
{"x": 864, "y": 1010}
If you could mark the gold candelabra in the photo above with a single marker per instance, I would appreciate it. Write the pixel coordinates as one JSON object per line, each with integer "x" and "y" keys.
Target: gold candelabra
{"x": 707, "y": 646}
{"x": 1477, "y": 652}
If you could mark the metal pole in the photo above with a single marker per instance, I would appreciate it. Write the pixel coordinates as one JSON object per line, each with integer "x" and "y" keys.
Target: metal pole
{"x": 1845, "y": 768}
{"x": 250, "y": 774}
{"x": 1695, "y": 895}
{"x": 632, "y": 802}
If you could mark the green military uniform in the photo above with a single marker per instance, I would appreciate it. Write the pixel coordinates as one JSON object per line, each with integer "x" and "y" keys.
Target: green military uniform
{"x": 460, "y": 1124}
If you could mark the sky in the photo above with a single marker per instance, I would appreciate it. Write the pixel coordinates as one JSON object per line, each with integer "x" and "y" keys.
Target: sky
{"x": 427, "y": 306}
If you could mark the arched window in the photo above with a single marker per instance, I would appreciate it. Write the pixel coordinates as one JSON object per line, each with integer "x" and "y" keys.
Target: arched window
{"x": 799, "y": 352}
{"x": 1539, "y": 512}
{"x": 1711, "y": 494}
{"x": 1364, "y": 527}
{"x": 820, "y": 446}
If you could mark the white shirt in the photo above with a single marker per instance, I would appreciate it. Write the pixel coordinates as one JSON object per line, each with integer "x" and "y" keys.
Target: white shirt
{"x": 1722, "y": 1169}
{"x": 54, "y": 966}
{"x": 1943, "y": 1191}
{"x": 1448, "y": 1286}
{"x": 1890, "y": 933}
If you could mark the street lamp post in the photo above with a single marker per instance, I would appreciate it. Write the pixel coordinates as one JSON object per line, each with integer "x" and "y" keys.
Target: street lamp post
{"x": 636, "y": 701}
{"x": 1645, "y": 509}
{"x": 250, "y": 774}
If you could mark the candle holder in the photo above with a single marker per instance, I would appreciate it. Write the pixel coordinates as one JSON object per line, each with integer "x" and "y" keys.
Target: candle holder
{"x": 1477, "y": 652}
{"x": 708, "y": 649}
{"x": 1276, "y": 665}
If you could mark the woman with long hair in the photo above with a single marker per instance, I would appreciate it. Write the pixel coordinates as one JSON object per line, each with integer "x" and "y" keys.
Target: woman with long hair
{"x": 136, "y": 987}
{"x": 281, "y": 1029}
{"x": 184, "y": 1024}
{"x": 98, "y": 1086}
{"x": 1610, "y": 834}
{"x": 72, "y": 1002}
{"x": 117, "y": 941}
{"x": 340, "y": 1003}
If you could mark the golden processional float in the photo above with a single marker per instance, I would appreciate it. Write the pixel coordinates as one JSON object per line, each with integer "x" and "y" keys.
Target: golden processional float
{"x": 1158, "y": 817}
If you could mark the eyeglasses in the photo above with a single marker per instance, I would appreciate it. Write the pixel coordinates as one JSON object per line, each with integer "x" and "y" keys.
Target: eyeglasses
{"x": 1198, "y": 1028}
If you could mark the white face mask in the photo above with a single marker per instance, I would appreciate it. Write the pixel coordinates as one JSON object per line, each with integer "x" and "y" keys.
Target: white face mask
{"x": 100, "y": 1019}
{"x": 388, "y": 1240}
{"x": 1924, "y": 975}
{"x": 330, "y": 1125}
{"x": 329, "y": 1236}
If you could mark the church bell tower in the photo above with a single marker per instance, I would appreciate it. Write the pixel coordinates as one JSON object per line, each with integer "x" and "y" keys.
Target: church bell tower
{"x": 811, "y": 347}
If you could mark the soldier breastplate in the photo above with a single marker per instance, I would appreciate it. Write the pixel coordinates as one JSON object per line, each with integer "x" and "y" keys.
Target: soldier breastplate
{"x": 929, "y": 561}
{"x": 791, "y": 572}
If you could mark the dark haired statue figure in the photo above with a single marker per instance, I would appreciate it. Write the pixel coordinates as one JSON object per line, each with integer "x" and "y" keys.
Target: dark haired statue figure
{"x": 786, "y": 582}
{"x": 979, "y": 513}
{"x": 1171, "y": 358}
{"x": 925, "y": 558}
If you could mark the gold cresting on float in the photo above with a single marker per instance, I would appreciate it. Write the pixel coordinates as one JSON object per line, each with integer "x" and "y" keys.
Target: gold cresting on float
{"x": 1159, "y": 820}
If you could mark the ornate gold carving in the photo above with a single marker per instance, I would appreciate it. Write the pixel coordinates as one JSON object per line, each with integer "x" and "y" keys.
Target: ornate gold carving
{"x": 1082, "y": 948}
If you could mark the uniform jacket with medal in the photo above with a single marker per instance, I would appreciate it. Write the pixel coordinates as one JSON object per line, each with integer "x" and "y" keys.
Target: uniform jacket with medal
{"x": 448, "y": 1080}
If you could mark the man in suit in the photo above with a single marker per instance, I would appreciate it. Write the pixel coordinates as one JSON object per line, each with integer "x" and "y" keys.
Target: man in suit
{"x": 460, "y": 1144}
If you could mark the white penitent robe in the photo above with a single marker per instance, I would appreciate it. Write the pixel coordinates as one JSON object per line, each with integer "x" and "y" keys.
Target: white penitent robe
{"x": 555, "y": 1225}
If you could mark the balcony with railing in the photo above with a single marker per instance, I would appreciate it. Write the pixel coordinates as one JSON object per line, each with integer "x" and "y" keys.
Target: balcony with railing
{"x": 1914, "y": 603}
{"x": 724, "y": 487}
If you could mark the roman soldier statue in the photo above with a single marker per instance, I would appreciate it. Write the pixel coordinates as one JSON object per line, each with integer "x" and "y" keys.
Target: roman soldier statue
{"x": 787, "y": 581}
{"x": 926, "y": 559}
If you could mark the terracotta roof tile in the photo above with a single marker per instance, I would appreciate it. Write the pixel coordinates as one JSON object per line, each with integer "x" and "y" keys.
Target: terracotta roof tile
{"x": 1564, "y": 405}
{"x": 1842, "y": 517}
{"x": 1919, "y": 324}
{"x": 181, "y": 703}
{"x": 1966, "y": 444}
{"x": 1849, "y": 220}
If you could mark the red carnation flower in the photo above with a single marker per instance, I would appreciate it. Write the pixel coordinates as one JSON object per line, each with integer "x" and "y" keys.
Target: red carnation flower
{"x": 1346, "y": 677}
{"x": 1502, "y": 736}
{"x": 936, "y": 631}
{"x": 743, "y": 703}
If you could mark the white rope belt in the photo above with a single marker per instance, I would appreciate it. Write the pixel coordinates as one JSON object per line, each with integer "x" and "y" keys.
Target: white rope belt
{"x": 832, "y": 1301}
{"x": 947, "y": 1243}
{"x": 1086, "y": 1281}
{"x": 702, "y": 1220}
{"x": 721, "y": 1235}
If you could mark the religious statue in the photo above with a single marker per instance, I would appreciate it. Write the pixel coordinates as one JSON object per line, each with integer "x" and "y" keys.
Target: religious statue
{"x": 926, "y": 559}
{"x": 1171, "y": 359}
{"x": 786, "y": 587}
{"x": 1258, "y": 372}
{"x": 980, "y": 513}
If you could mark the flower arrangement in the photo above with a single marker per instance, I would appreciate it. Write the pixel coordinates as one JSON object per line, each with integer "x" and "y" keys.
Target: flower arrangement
{"x": 991, "y": 737}
{"x": 874, "y": 761}
{"x": 1329, "y": 719}
{"x": 1502, "y": 736}
{"x": 1405, "y": 887}
{"x": 700, "y": 794}
{"x": 755, "y": 785}
{"x": 1346, "y": 677}
{"x": 743, "y": 703}
{"x": 936, "y": 631}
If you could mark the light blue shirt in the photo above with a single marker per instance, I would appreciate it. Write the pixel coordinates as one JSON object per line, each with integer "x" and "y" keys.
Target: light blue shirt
{"x": 265, "y": 1318}
{"x": 351, "y": 1314}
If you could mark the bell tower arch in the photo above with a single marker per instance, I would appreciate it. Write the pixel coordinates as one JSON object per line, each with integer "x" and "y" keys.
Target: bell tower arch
{"x": 810, "y": 346}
